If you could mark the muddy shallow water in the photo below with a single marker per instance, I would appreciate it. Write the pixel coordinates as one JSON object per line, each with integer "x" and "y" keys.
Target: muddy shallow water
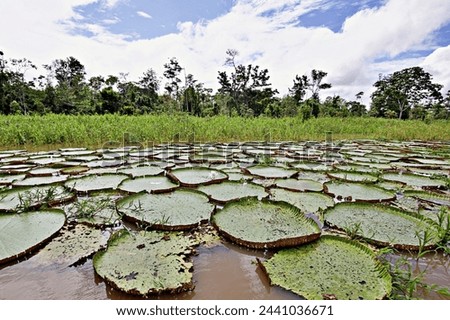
{"x": 223, "y": 272}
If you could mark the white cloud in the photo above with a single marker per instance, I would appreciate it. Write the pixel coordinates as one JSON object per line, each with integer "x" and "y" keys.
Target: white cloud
{"x": 266, "y": 33}
{"x": 144, "y": 14}
{"x": 111, "y": 3}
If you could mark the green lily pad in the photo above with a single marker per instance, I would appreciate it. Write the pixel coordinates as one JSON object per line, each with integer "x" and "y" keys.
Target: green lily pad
{"x": 308, "y": 202}
{"x": 414, "y": 180}
{"x": 299, "y": 185}
{"x": 179, "y": 210}
{"x": 72, "y": 246}
{"x": 5, "y": 180}
{"x": 264, "y": 224}
{"x": 357, "y": 192}
{"x": 74, "y": 170}
{"x": 155, "y": 184}
{"x": 39, "y": 181}
{"x": 382, "y": 225}
{"x": 439, "y": 199}
{"x": 43, "y": 172}
{"x": 270, "y": 172}
{"x": 193, "y": 177}
{"x": 24, "y": 199}
{"x": 229, "y": 190}
{"x": 142, "y": 171}
{"x": 96, "y": 182}
{"x": 146, "y": 263}
{"x": 353, "y": 177}
{"x": 22, "y": 233}
{"x": 99, "y": 210}
{"x": 333, "y": 266}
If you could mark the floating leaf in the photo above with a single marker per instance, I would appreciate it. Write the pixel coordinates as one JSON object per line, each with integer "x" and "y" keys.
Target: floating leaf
{"x": 382, "y": 225}
{"x": 150, "y": 184}
{"x": 414, "y": 180}
{"x": 333, "y": 266}
{"x": 96, "y": 182}
{"x": 192, "y": 177}
{"x": 142, "y": 171}
{"x": 299, "y": 185}
{"x": 23, "y": 199}
{"x": 357, "y": 192}
{"x": 353, "y": 176}
{"x": 74, "y": 245}
{"x": 308, "y": 202}
{"x": 228, "y": 191}
{"x": 179, "y": 210}
{"x": 265, "y": 224}
{"x": 270, "y": 172}
{"x": 22, "y": 233}
{"x": 146, "y": 263}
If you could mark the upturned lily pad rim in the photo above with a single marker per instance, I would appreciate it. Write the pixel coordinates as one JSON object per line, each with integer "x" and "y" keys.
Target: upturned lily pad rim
{"x": 280, "y": 243}
{"x": 171, "y": 174}
{"x": 381, "y": 269}
{"x": 326, "y": 191}
{"x": 42, "y": 242}
{"x": 394, "y": 210}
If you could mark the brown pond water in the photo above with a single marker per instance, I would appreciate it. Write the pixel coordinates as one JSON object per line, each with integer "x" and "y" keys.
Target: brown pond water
{"x": 222, "y": 272}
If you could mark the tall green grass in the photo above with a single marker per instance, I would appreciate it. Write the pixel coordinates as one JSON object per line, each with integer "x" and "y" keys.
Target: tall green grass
{"x": 95, "y": 131}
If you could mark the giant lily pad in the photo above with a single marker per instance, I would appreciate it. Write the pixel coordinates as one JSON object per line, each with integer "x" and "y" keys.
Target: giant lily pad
{"x": 439, "y": 199}
{"x": 299, "y": 185}
{"x": 265, "y": 224}
{"x": 382, "y": 225}
{"x": 99, "y": 210}
{"x": 358, "y": 192}
{"x": 180, "y": 210}
{"x": 414, "y": 180}
{"x": 308, "y": 202}
{"x": 96, "y": 182}
{"x": 192, "y": 177}
{"x": 270, "y": 172}
{"x": 74, "y": 245}
{"x": 331, "y": 266}
{"x": 146, "y": 263}
{"x": 142, "y": 171}
{"x": 24, "y": 199}
{"x": 353, "y": 176}
{"x": 227, "y": 191}
{"x": 21, "y": 233}
{"x": 150, "y": 184}
{"x": 39, "y": 181}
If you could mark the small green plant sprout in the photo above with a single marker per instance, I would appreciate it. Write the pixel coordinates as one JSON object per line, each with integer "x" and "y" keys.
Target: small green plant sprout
{"x": 265, "y": 160}
{"x": 354, "y": 230}
{"x": 425, "y": 239}
{"x": 444, "y": 230}
{"x": 30, "y": 199}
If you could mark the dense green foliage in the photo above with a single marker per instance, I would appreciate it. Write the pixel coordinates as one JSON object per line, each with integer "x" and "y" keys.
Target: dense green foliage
{"x": 98, "y": 130}
{"x": 245, "y": 91}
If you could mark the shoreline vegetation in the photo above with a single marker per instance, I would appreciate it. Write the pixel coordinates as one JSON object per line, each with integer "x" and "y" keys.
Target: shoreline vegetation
{"x": 33, "y": 132}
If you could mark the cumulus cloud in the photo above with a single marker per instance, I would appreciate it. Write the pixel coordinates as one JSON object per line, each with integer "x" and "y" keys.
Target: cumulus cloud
{"x": 144, "y": 14}
{"x": 267, "y": 33}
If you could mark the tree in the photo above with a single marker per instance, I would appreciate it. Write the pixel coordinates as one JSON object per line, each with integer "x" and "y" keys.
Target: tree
{"x": 248, "y": 86}
{"x": 171, "y": 73}
{"x": 401, "y": 91}
{"x": 314, "y": 84}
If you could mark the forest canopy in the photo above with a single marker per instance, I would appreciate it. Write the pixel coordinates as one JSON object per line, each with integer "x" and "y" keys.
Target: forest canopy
{"x": 244, "y": 90}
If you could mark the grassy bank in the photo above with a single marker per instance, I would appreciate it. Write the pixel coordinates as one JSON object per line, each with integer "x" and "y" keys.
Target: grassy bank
{"x": 95, "y": 131}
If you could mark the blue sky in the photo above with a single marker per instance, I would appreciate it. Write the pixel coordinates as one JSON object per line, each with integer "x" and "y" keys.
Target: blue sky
{"x": 354, "y": 41}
